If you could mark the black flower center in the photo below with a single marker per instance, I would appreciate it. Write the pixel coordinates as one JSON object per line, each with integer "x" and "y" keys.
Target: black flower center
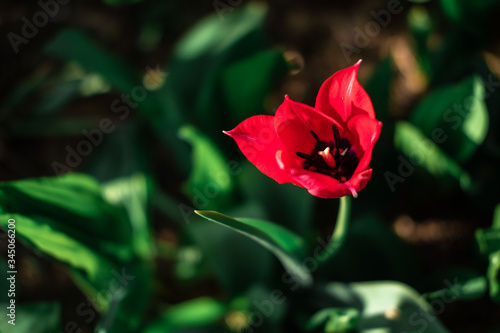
{"x": 335, "y": 158}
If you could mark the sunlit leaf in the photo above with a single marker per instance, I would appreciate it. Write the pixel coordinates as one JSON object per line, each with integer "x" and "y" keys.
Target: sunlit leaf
{"x": 467, "y": 288}
{"x": 335, "y": 320}
{"x": 132, "y": 193}
{"x": 236, "y": 261}
{"x": 194, "y": 313}
{"x": 73, "y": 205}
{"x": 33, "y": 318}
{"x": 493, "y": 275}
{"x": 455, "y": 117}
{"x": 424, "y": 152}
{"x": 211, "y": 175}
{"x": 395, "y": 307}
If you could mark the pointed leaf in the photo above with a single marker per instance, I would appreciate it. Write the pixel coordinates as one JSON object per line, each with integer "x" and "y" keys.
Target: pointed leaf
{"x": 455, "y": 117}
{"x": 284, "y": 244}
{"x": 428, "y": 155}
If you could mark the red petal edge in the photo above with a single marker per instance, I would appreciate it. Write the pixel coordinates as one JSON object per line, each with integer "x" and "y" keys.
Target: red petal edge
{"x": 259, "y": 142}
{"x": 342, "y": 97}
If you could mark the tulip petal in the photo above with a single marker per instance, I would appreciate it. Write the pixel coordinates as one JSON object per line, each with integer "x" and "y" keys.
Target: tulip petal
{"x": 297, "y": 124}
{"x": 358, "y": 181}
{"x": 318, "y": 184}
{"x": 366, "y": 133}
{"x": 342, "y": 97}
{"x": 259, "y": 142}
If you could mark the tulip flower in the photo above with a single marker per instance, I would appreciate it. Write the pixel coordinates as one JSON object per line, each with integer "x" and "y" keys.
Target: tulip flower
{"x": 325, "y": 149}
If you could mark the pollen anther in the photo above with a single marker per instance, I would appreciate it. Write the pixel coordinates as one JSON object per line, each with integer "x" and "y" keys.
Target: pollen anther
{"x": 328, "y": 157}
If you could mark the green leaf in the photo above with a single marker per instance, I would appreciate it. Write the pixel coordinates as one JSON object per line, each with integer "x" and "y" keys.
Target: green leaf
{"x": 211, "y": 175}
{"x": 129, "y": 303}
{"x": 93, "y": 272}
{"x": 496, "y": 218}
{"x": 72, "y": 205}
{"x": 194, "y": 313}
{"x": 493, "y": 275}
{"x": 395, "y": 307}
{"x": 455, "y": 117}
{"x": 236, "y": 261}
{"x": 335, "y": 320}
{"x": 428, "y": 155}
{"x": 488, "y": 240}
{"x": 221, "y": 70}
{"x": 284, "y": 244}
{"x": 33, "y": 318}
{"x": 72, "y": 44}
{"x": 72, "y": 222}
{"x": 133, "y": 193}
{"x": 464, "y": 287}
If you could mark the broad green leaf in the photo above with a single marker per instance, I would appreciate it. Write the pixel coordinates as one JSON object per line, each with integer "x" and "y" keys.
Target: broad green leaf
{"x": 211, "y": 175}
{"x": 33, "y": 318}
{"x": 285, "y": 245}
{"x": 496, "y": 218}
{"x": 72, "y": 205}
{"x": 132, "y": 193}
{"x": 488, "y": 240}
{"x": 424, "y": 152}
{"x": 455, "y": 117}
{"x": 493, "y": 275}
{"x": 215, "y": 36}
{"x": 92, "y": 271}
{"x": 194, "y": 313}
{"x": 129, "y": 304}
{"x": 394, "y": 307}
{"x": 335, "y": 320}
{"x": 99, "y": 237}
{"x": 72, "y": 44}
{"x": 469, "y": 289}
{"x": 235, "y": 261}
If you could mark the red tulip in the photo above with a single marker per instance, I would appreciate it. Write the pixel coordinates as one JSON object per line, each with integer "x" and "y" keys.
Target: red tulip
{"x": 325, "y": 149}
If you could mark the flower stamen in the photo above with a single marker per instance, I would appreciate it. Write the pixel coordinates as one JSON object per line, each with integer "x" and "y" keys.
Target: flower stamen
{"x": 330, "y": 161}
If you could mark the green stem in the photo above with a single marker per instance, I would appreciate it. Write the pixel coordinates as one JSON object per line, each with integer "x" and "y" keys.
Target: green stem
{"x": 340, "y": 232}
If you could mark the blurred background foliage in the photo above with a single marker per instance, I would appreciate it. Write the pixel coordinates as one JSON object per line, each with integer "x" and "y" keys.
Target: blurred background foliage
{"x": 111, "y": 115}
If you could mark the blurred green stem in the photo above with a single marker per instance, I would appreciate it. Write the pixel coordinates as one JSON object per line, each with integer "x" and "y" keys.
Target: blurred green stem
{"x": 340, "y": 232}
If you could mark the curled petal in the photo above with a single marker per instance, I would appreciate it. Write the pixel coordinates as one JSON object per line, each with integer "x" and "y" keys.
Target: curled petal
{"x": 318, "y": 184}
{"x": 342, "y": 97}
{"x": 366, "y": 132}
{"x": 259, "y": 142}
{"x": 358, "y": 181}
{"x": 294, "y": 122}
